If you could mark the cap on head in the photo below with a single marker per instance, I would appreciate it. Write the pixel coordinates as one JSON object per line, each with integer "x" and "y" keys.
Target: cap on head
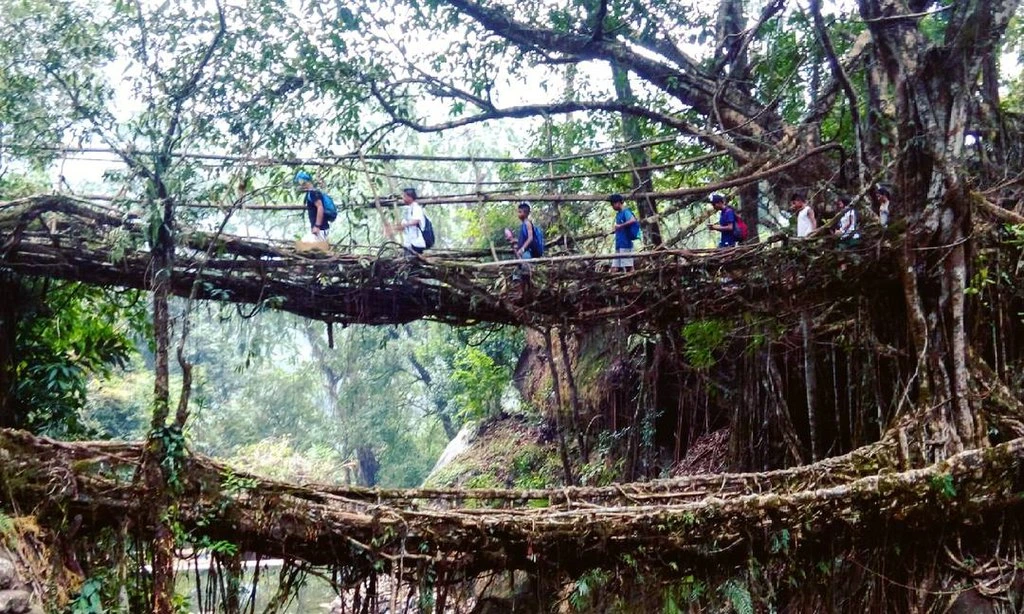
{"x": 303, "y": 176}
{"x": 615, "y": 198}
{"x": 717, "y": 198}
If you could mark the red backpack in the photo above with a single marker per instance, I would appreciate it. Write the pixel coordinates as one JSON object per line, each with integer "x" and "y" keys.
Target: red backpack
{"x": 741, "y": 232}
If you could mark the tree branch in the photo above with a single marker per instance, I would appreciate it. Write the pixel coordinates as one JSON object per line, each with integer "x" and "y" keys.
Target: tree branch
{"x": 683, "y": 81}
{"x": 561, "y": 108}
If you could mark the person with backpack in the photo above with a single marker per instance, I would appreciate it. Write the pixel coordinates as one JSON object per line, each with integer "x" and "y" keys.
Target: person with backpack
{"x": 528, "y": 243}
{"x": 727, "y": 221}
{"x": 316, "y": 205}
{"x": 847, "y": 230}
{"x": 627, "y": 230}
{"x": 413, "y": 223}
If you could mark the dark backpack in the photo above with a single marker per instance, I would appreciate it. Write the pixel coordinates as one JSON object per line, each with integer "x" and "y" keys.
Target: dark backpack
{"x": 537, "y": 247}
{"x": 428, "y": 232}
{"x": 330, "y": 210}
{"x": 634, "y": 231}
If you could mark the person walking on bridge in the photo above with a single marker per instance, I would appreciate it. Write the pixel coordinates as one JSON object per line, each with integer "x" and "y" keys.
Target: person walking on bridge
{"x": 413, "y": 222}
{"x": 847, "y": 231}
{"x": 726, "y": 221}
{"x": 884, "y": 196}
{"x": 626, "y": 230}
{"x": 805, "y": 220}
{"x": 314, "y": 202}
{"x": 526, "y": 244}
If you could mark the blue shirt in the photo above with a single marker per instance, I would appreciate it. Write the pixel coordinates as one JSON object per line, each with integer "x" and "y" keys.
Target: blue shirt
{"x": 727, "y": 218}
{"x": 622, "y": 235}
{"x": 311, "y": 197}
{"x": 524, "y": 235}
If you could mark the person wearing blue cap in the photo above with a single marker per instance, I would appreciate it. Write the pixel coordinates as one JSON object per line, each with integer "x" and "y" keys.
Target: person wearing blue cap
{"x": 314, "y": 202}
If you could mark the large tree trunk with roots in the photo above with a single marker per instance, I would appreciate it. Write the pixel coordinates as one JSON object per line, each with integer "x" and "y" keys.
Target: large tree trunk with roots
{"x": 933, "y": 88}
{"x": 153, "y": 469}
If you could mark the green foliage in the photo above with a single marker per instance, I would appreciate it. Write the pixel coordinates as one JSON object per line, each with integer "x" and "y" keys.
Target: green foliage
{"x": 89, "y": 599}
{"x": 982, "y": 279}
{"x": 7, "y": 528}
{"x": 117, "y": 406}
{"x": 586, "y": 588}
{"x": 943, "y": 484}
{"x": 484, "y": 481}
{"x": 679, "y": 596}
{"x": 65, "y": 334}
{"x": 481, "y": 382}
{"x": 281, "y": 458}
{"x": 703, "y": 338}
{"x": 738, "y": 597}
{"x": 607, "y": 464}
{"x": 233, "y": 484}
{"x": 780, "y": 542}
{"x": 171, "y": 443}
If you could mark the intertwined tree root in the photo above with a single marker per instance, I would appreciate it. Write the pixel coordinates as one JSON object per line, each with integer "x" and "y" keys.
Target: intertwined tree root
{"x": 686, "y": 521}
{"x": 57, "y": 236}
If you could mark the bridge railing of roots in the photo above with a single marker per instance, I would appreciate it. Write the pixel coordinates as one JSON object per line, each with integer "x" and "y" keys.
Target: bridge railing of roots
{"x": 67, "y": 238}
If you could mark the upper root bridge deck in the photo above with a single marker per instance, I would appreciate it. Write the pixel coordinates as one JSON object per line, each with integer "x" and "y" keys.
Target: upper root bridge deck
{"x": 61, "y": 237}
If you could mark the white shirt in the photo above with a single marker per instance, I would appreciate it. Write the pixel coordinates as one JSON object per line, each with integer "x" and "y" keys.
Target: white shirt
{"x": 848, "y": 224}
{"x": 412, "y": 235}
{"x": 883, "y": 212}
{"x": 804, "y": 222}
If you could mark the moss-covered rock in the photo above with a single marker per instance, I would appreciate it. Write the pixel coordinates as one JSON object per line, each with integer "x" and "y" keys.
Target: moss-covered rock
{"x": 507, "y": 452}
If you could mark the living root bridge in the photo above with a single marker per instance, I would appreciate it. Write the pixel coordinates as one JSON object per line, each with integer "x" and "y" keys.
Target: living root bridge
{"x": 60, "y": 237}
{"x": 690, "y": 522}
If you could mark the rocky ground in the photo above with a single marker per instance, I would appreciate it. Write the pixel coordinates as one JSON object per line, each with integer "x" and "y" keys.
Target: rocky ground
{"x": 14, "y": 596}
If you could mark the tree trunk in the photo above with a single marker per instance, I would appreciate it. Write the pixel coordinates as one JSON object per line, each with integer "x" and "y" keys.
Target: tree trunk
{"x": 935, "y": 87}
{"x": 162, "y": 511}
{"x": 563, "y": 448}
{"x": 810, "y": 383}
{"x": 10, "y": 290}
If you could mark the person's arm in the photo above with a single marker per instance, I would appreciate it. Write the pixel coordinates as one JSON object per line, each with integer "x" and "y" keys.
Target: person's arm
{"x": 319, "y": 204}
{"x": 728, "y": 226}
{"x": 632, "y": 220}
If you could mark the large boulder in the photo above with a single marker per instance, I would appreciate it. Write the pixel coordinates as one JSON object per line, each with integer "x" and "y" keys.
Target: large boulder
{"x": 15, "y": 602}
{"x": 8, "y": 573}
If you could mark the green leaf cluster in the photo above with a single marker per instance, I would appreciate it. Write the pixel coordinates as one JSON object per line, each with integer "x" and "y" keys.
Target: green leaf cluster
{"x": 703, "y": 338}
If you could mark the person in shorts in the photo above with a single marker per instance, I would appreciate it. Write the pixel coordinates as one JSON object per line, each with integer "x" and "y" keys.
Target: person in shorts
{"x": 624, "y": 233}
